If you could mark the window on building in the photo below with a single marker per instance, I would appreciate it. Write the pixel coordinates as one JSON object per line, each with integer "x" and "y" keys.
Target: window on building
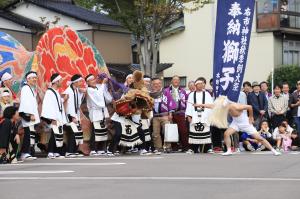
{"x": 167, "y": 81}
{"x": 291, "y": 52}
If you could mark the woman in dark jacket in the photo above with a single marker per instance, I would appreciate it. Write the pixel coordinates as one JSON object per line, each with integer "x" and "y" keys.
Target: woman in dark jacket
{"x": 9, "y": 139}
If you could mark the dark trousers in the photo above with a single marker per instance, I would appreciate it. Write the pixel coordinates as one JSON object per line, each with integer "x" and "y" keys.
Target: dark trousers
{"x": 117, "y": 137}
{"x": 52, "y": 148}
{"x": 26, "y": 141}
{"x": 97, "y": 146}
{"x": 217, "y": 136}
{"x": 179, "y": 119}
{"x": 71, "y": 143}
{"x": 276, "y": 120}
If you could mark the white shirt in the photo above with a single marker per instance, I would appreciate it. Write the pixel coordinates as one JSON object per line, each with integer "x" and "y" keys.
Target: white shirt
{"x": 29, "y": 105}
{"x": 190, "y": 109}
{"x": 53, "y": 107}
{"x": 74, "y": 102}
{"x": 96, "y": 104}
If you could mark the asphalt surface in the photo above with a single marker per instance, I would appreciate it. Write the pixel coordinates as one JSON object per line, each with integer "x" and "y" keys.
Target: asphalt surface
{"x": 173, "y": 176}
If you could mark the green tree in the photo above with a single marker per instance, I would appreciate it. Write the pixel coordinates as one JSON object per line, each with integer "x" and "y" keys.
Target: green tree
{"x": 146, "y": 19}
{"x": 286, "y": 73}
{"x": 4, "y": 3}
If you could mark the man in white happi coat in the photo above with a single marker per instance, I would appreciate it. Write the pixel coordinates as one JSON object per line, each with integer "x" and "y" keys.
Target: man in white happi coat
{"x": 53, "y": 113}
{"x": 28, "y": 111}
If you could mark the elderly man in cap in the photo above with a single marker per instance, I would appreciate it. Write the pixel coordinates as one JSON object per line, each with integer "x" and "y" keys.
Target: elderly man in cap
{"x": 259, "y": 102}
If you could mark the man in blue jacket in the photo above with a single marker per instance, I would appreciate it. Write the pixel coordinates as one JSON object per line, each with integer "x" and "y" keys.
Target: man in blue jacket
{"x": 259, "y": 102}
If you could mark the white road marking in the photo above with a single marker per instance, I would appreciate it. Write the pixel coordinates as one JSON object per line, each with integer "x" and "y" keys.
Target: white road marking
{"x": 66, "y": 164}
{"x": 114, "y": 158}
{"x": 153, "y": 178}
{"x": 34, "y": 172}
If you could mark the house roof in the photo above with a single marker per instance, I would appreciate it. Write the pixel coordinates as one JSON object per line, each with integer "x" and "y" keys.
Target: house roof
{"x": 28, "y": 23}
{"x": 160, "y": 67}
{"x": 70, "y": 9}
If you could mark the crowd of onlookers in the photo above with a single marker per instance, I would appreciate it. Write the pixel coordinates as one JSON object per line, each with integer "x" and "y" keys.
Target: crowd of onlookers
{"x": 276, "y": 118}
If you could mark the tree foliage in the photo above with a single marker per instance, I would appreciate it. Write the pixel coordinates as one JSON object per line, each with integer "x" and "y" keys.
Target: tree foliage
{"x": 146, "y": 19}
{"x": 286, "y": 73}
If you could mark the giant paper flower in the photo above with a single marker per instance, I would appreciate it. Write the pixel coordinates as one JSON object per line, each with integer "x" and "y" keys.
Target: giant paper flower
{"x": 67, "y": 52}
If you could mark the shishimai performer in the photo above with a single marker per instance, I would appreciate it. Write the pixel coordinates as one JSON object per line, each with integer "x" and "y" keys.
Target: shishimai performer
{"x": 53, "y": 113}
{"x": 240, "y": 121}
{"x": 73, "y": 128}
{"x": 97, "y": 97}
{"x": 199, "y": 128}
{"x": 29, "y": 113}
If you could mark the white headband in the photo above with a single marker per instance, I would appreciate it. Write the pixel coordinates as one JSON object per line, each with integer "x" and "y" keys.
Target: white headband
{"x": 130, "y": 75}
{"x": 6, "y": 76}
{"x": 31, "y": 75}
{"x": 198, "y": 82}
{"x": 5, "y": 94}
{"x": 90, "y": 78}
{"x": 147, "y": 79}
{"x": 77, "y": 80}
{"x": 56, "y": 79}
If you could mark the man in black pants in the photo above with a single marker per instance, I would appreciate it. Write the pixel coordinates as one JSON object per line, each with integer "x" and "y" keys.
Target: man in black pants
{"x": 30, "y": 116}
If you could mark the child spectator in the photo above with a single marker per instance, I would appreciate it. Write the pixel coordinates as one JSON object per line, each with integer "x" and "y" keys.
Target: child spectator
{"x": 283, "y": 139}
{"x": 295, "y": 141}
{"x": 289, "y": 129}
{"x": 265, "y": 133}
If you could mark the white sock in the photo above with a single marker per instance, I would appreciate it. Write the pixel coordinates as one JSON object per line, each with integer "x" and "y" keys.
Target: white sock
{"x": 229, "y": 150}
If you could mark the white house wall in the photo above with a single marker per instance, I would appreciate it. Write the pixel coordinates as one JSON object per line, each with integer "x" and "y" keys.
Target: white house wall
{"x": 34, "y": 12}
{"x": 6, "y": 24}
{"x": 191, "y": 50}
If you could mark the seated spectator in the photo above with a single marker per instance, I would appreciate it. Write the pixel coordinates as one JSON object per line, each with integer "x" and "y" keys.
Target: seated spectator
{"x": 9, "y": 139}
{"x": 283, "y": 139}
{"x": 289, "y": 129}
{"x": 252, "y": 144}
{"x": 295, "y": 141}
{"x": 265, "y": 133}
{"x": 5, "y": 101}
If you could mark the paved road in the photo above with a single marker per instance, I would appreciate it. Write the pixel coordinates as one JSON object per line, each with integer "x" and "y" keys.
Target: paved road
{"x": 155, "y": 177}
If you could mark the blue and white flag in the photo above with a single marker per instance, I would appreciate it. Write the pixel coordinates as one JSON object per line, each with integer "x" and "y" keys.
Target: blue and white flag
{"x": 233, "y": 31}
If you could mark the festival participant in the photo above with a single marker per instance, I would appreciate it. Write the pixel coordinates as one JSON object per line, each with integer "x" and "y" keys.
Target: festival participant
{"x": 177, "y": 98}
{"x": 73, "y": 129}
{"x": 191, "y": 87}
{"x": 240, "y": 121}
{"x": 199, "y": 128}
{"x": 130, "y": 109}
{"x": 53, "y": 113}
{"x": 9, "y": 139}
{"x": 5, "y": 101}
{"x": 6, "y": 83}
{"x": 98, "y": 114}
{"x": 128, "y": 80}
{"x": 29, "y": 113}
{"x": 160, "y": 116}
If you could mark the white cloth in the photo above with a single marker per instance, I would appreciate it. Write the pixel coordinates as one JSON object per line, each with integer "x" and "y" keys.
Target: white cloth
{"x": 71, "y": 106}
{"x": 29, "y": 105}
{"x": 50, "y": 107}
{"x": 190, "y": 109}
{"x": 6, "y": 76}
{"x": 276, "y": 133}
{"x": 96, "y": 104}
{"x": 242, "y": 124}
{"x": 107, "y": 96}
